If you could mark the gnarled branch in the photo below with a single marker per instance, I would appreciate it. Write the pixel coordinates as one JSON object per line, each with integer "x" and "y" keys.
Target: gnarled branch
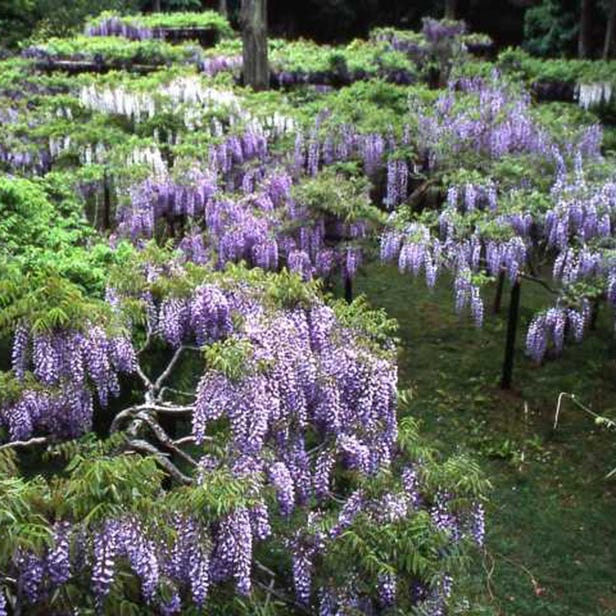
{"x": 143, "y": 376}
{"x": 544, "y": 284}
{"x": 142, "y": 446}
{"x": 158, "y": 408}
{"x": 165, "y": 439}
{"x": 37, "y": 440}
{"x": 170, "y": 366}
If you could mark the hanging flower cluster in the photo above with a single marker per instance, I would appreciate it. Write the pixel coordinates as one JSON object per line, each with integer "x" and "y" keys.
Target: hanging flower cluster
{"x": 591, "y": 95}
{"x": 141, "y": 105}
{"x": 498, "y": 124}
{"x": 65, "y": 366}
{"x": 477, "y": 233}
{"x": 116, "y": 26}
{"x": 548, "y": 330}
{"x": 301, "y": 408}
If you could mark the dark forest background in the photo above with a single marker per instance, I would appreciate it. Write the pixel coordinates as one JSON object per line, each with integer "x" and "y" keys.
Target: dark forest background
{"x": 544, "y": 27}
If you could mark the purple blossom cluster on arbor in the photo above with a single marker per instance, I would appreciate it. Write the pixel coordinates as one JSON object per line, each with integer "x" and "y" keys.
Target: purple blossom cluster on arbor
{"x": 397, "y": 183}
{"x": 548, "y": 330}
{"x": 183, "y": 563}
{"x": 500, "y": 123}
{"x": 199, "y": 557}
{"x": 212, "y": 65}
{"x": 116, "y": 26}
{"x": 416, "y": 250}
{"x": 65, "y": 414}
{"x": 25, "y": 161}
{"x": 261, "y": 224}
{"x": 340, "y": 391}
{"x": 391, "y": 508}
{"x": 40, "y": 574}
{"x": 304, "y": 376}
{"x": 582, "y": 211}
{"x": 480, "y": 232}
{"x": 436, "y": 31}
{"x": 63, "y": 365}
{"x": 410, "y": 45}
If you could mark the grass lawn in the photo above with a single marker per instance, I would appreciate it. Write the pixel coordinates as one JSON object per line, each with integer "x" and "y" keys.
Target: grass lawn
{"x": 551, "y": 542}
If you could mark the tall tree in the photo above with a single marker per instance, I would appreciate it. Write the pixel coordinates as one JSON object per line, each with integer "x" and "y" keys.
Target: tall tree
{"x": 253, "y": 21}
{"x": 610, "y": 31}
{"x": 450, "y": 9}
{"x": 222, "y": 8}
{"x": 585, "y": 28}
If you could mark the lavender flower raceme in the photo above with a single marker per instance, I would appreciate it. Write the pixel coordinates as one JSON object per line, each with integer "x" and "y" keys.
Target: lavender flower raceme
{"x": 57, "y": 563}
{"x": 106, "y": 550}
{"x": 477, "y": 527}
{"x": 387, "y": 590}
{"x": 20, "y": 349}
{"x": 285, "y": 490}
{"x": 32, "y": 571}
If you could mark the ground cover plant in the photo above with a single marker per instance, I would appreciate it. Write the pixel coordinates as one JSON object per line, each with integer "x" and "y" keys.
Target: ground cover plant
{"x": 199, "y": 410}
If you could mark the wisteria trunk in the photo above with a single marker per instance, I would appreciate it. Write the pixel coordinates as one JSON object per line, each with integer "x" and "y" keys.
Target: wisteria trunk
{"x": 253, "y": 20}
{"x": 594, "y": 315}
{"x": 450, "y": 9}
{"x": 498, "y": 298}
{"x": 512, "y": 326}
{"x": 348, "y": 289}
{"x": 584, "y": 40}
{"x": 222, "y": 8}
{"x": 609, "y": 32}
{"x": 156, "y": 6}
{"x": 106, "y": 217}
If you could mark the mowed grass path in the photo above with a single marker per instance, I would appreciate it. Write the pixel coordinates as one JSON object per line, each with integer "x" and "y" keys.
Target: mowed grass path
{"x": 551, "y": 542}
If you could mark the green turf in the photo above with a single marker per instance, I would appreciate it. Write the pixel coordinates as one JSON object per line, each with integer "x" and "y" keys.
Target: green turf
{"x": 551, "y": 546}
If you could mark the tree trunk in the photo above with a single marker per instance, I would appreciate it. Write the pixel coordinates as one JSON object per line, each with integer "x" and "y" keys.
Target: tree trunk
{"x": 594, "y": 315}
{"x": 222, "y": 8}
{"x": 253, "y": 20}
{"x": 106, "y": 222}
{"x": 156, "y": 6}
{"x": 500, "y": 284}
{"x": 585, "y": 28}
{"x": 609, "y": 32}
{"x": 512, "y": 327}
{"x": 450, "y": 9}
{"x": 348, "y": 289}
